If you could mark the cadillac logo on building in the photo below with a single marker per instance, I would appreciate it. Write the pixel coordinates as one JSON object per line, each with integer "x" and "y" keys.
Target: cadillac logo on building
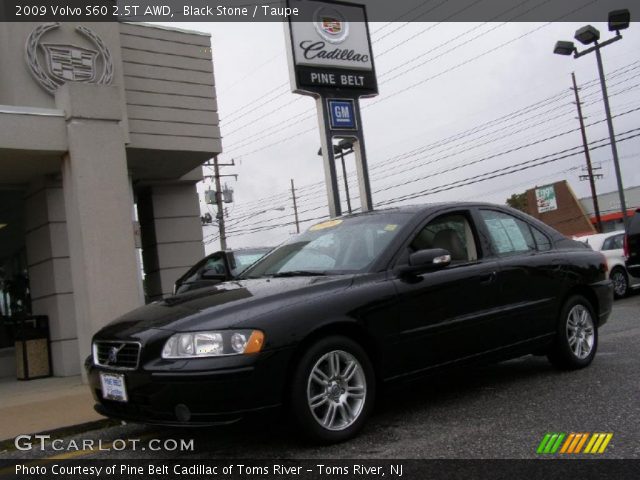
{"x": 331, "y": 25}
{"x": 67, "y": 62}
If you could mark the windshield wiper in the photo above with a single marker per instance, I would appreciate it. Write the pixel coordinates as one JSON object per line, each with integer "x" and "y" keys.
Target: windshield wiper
{"x": 300, "y": 273}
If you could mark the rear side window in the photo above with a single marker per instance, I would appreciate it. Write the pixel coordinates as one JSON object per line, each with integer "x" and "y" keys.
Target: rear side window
{"x": 614, "y": 243}
{"x": 542, "y": 241}
{"x": 509, "y": 234}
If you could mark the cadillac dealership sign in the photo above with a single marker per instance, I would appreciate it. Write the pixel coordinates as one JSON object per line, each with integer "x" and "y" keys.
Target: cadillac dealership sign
{"x": 330, "y": 58}
{"x": 332, "y": 49}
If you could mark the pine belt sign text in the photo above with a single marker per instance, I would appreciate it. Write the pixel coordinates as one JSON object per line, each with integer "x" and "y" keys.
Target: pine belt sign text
{"x": 332, "y": 51}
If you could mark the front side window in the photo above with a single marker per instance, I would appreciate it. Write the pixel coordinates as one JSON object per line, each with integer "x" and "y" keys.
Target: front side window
{"x": 451, "y": 232}
{"x": 508, "y": 234}
{"x": 216, "y": 265}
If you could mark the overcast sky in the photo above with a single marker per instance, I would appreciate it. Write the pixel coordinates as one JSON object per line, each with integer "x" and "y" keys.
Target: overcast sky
{"x": 437, "y": 82}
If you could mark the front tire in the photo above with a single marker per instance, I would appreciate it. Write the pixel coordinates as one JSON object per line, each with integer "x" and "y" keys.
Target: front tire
{"x": 576, "y": 339}
{"x": 333, "y": 390}
{"x": 620, "y": 281}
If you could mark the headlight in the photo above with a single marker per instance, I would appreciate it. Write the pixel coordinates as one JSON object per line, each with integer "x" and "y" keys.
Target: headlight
{"x": 213, "y": 344}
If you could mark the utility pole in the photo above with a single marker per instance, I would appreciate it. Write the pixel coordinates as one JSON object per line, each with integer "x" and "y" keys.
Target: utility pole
{"x": 587, "y": 155}
{"x": 295, "y": 206}
{"x": 221, "y": 197}
{"x": 220, "y": 215}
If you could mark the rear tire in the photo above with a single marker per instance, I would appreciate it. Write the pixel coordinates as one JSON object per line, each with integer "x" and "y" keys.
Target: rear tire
{"x": 620, "y": 281}
{"x": 333, "y": 390}
{"x": 576, "y": 339}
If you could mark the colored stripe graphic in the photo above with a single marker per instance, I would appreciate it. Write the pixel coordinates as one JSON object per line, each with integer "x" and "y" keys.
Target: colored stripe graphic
{"x": 573, "y": 443}
{"x": 550, "y": 443}
{"x": 567, "y": 442}
{"x": 598, "y": 443}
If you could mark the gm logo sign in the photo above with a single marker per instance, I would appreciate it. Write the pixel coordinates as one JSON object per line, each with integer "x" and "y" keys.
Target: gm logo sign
{"x": 342, "y": 114}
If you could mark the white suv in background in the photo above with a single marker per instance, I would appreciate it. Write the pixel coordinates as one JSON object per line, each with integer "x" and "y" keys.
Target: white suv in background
{"x": 612, "y": 246}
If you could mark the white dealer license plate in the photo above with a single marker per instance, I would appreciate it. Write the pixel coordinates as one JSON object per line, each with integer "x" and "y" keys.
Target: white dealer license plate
{"x": 113, "y": 387}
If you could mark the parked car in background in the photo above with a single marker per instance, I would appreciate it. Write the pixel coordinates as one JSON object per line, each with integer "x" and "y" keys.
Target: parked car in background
{"x": 219, "y": 267}
{"x": 611, "y": 244}
{"x": 632, "y": 245}
{"x": 354, "y": 302}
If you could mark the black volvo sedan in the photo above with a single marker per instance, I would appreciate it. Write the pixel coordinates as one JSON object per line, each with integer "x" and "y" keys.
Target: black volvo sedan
{"x": 323, "y": 320}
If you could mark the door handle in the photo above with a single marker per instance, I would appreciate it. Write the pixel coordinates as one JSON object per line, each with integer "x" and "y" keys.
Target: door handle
{"x": 489, "y": 278}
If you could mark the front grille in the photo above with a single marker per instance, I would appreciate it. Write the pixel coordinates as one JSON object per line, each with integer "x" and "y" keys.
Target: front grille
{"x": 120, "y": 355}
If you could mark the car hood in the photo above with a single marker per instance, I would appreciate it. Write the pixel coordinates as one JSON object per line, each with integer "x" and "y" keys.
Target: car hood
{"x": 230, "y": 304}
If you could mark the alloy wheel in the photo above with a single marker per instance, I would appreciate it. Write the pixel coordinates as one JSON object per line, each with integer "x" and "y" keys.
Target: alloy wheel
{"x": 580, "y": 331}
{"x": 336, "y": 390}
{"x": 619, "y": 283}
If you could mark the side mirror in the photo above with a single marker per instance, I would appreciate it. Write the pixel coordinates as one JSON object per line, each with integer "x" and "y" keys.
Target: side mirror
{"x": 426, "y": 261}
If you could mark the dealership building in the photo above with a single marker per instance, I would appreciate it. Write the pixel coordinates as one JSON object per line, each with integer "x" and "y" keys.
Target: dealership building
{"x": 103, "y": 131}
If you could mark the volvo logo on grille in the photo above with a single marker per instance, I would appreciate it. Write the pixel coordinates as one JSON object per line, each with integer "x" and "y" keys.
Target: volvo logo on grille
{"x": 112, "y": 356}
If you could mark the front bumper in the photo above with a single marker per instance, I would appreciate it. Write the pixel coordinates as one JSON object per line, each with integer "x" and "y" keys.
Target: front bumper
{"x": 197, "y": 392}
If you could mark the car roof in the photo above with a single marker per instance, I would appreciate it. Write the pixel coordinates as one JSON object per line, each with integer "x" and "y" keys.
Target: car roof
{"x": 425, "y": 207}
{"x": 596, "y": 240}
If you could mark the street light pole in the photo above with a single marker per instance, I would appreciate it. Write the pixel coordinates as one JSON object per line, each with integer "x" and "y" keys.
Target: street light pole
{"x": 587, "y": 35}
{"x": 612, "y": 137}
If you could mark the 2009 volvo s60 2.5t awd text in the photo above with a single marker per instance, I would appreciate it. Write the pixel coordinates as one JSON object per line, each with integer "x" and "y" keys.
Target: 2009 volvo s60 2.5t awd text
{"x": 323, "y": 320}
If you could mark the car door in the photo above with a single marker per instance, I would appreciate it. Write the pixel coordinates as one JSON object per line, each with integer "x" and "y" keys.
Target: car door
{"x": 531, "y": 278}
{"x": 445, "y": 315}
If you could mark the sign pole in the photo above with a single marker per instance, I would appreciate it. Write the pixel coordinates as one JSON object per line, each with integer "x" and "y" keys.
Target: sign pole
{"x": 330, "y": 58}
{"x": 362, "y": 168}
{"x": 330, "y": 175}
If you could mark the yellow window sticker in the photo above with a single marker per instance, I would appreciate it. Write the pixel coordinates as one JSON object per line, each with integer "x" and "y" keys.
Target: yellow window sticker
{"x": 323, "y": 225}
{"x": 391, "y": 227}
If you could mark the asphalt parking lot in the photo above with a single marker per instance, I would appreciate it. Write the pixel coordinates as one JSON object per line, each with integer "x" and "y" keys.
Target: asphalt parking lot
{"x": 499, "y": 411}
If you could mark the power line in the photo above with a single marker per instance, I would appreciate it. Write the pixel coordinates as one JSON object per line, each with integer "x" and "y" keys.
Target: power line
{"x": 457, "y": 136}
{"x": 474, "y": 162}
{"x": 518, "y": 167}
{"x": 257, "y": 107}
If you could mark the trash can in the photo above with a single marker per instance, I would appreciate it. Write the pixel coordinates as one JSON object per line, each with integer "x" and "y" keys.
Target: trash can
{"x": 33, "y": 355}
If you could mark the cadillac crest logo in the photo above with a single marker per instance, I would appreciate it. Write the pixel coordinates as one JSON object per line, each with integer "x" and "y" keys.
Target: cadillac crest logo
{"x": 331, "y": 25}
{"x": 67, "y": 62}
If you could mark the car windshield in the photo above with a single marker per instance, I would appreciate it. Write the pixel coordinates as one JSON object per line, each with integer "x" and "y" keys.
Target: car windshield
{"x": 346, "y": 245}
